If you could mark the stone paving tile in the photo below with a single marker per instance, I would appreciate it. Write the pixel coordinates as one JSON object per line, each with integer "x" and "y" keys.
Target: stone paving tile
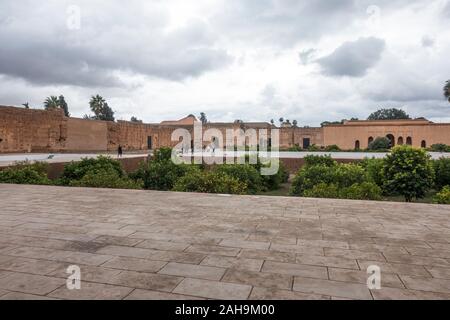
{"x": 417, "y": 260}
{"x": 147, "y": 281}
{"x": 118, "y": 241}
{"x": 213, "y": 289}
{"x": 24, "y": 296}
{"x": 433, "y": 285}
{"x": 92, "y": 291}
{"x": 259, "y": 293}
{"x": 244, "y": 244}
{"x": 134, "y": 264}
{"x": 193, "y": 271}
{"x": 337, "y": 262}
{"x": 33, "y": 266}
{"x": 297, "y": 249}
{"x": 233, "y": 263}
{"x": 140, "y": 294}
{"x": 437, "y": 272}
{"x": 398, "y": 268}
{"x": 293, "y": 269}
{"x": 332, "y": 288}
{"x": 347, "y": 275}
{"x": 163, "y": 245}
{"x": 404, "y": 294}
{"x": 439, "y": 253}
{"x": 28, "y": 283}
{"x": 217, "y": 250}
{"x": 268, "y": 255}
{"x": 88, "y": 273}
{"x": 260, "y": 279}
{"x": 353, "y": 254}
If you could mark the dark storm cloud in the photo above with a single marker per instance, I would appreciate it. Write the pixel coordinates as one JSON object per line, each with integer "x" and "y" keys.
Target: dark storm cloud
{"x": 112, "y": 38}
{"x": 353, "y": 58}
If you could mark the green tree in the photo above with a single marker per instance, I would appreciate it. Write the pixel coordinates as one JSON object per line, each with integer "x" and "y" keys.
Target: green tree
{"x": 101, "y": 109}
{"x": 136, "y": 120}
{"x": 407, "y": 171}
{"x": 203, "y": 118}
{"x": 281, "y": 120}
{"x": 51, "y": 103}
{"x": 389, "y": 114}
{"x": 63, "y": 105}
{"x": 295, "y": 123}
{"x": 447, "y": 90}
{"x": 380, "y": 144}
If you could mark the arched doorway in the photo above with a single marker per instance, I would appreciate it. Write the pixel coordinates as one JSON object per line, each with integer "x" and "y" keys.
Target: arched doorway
{"x": 400, "y": 141}
{"x": 409, "y": 141}
{"x": 392, "y": 139}
{"x": 357, "y": 145}
{"x": 370, "y": 140}
{"x": 424, "y": 144}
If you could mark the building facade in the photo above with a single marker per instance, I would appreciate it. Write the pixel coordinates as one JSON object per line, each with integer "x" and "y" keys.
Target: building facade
{"x": 28, "y": 130}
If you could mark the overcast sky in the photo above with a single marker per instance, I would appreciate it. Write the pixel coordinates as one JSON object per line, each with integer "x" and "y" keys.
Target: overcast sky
{"x": 253, "y": 60}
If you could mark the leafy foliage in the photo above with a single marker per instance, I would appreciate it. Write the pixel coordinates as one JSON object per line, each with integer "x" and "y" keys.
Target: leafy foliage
{"x": 101, "y": 109}
{"x": 447, "y": 90}
{"x": 244, "y": 173}
{"x": 210, "y": 182}
{"x": 442, "y": 172}
{"x": 25, "y": 173}
{"x": 408, "y": 172}
{"x": 77, "y": 170}
{"x": 374, "y": 170}
{"x": 389, "y": 114}
{"x": 443, "y": 197}
{"x": 333, "y": 148}
{"x": 357, "y": 191}
{"x": 313, "y": 160}
{"x": 380, "y": 144}
{"x": 440, "y": 147}
{"x": 108, "y": 178}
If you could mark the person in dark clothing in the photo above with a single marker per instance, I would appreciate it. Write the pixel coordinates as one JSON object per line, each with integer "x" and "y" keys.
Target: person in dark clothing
{"x": 120, "y": 151}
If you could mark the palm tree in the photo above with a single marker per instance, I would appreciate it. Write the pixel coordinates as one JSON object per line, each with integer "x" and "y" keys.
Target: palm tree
{"x": 101, "y": 109}
{"x": 203, "y": 118}
{"x": 272, "y": 122}
{"x": 447, "y": 90}
{"x": 295, "y": 123}
{"x": 26, "y": 105}
{"x": 281, "y": 120}
{"x": 51, "y": 103}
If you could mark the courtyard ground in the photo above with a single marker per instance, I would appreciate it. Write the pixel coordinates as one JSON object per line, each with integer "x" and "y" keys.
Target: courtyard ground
{"x": 163, "y": 245}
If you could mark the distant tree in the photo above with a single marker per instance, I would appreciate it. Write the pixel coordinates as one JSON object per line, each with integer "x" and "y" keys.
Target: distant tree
{"x": 380, "y": 144}
{"x": 327, "y": 123}
{"x": 136, "y": 120}
{"x": 203, "y": 118}
{"x": 26, "y": 105}
{"x": 63, "y": 105}
{"x": 281, "y": 120}
{"x": 101, "y": 109}
{"x": 295, "y": 123}
{"x": 51, "y": 103}
{"x": 272, "y": 121}
{"x": 447, "y": 90}
{"x": 389, "y": 114}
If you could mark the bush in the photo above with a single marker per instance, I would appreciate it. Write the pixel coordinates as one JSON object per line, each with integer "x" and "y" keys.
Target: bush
{"x": 443, "y": 197}
{"x": 313, "y": 160}
{"x": 77, "y": 170}
{"x": 408, "y": 172}
{"x": 343, "y": 176}
{"x": 380, "y": 144}
{"x": 314, "y": 148}
{"x": 26, "y": 173}
{"x": 162, "y": 175}
{"x": 357, "y": 191}
{"x": 362, "y": 191}
{"x": 105, "y": 179}
{"x": 442, "y": 173}
{"x": 333, "y": 148}
{"x": 374, "y": 170}
{"x": 163, "y": 154}
{"x": 323, "y": 190}
{"x": 440, "y": 147}
{"x": 210, "y": 182}
{"x": 244, "y": 173}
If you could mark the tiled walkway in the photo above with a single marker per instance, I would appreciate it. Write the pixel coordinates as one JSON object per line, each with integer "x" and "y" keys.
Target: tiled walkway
{"x": 155, "y": 245}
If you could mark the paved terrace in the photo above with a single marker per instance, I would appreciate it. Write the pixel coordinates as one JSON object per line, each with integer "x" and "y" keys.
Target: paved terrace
{"x": 154, "y": 245}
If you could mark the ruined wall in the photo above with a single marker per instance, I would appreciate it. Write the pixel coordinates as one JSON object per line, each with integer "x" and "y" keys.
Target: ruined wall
{"x": 290, "y": 137}
{"x": 28, "y": 130}
{"x": 86, "y": 135}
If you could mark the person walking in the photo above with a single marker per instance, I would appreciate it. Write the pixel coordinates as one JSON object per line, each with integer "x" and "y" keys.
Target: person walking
{"x": 120, "y": 151}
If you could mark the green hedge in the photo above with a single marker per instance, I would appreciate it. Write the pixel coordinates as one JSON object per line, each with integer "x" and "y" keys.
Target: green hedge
{"x": 443, "y": 197}
{"x": 210, "y": 182}
{"x": 442, "y": 173}
{"x": 26, "y": 173}
{"x": 244, "y": 173}
{"x": 357, "y": 191}
{"x": 105, "y": 179}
